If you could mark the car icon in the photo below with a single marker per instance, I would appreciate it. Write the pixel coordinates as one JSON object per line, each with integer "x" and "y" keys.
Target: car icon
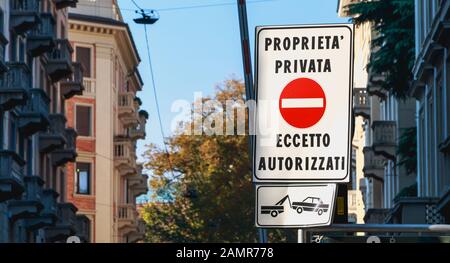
{"x": 311, "y": 204}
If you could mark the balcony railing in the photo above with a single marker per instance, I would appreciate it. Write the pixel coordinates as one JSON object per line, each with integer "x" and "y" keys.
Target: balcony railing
{"x": 138, "y": 132}
{"x": 415, "y": 210}
{"x": 375, "y": 85}
{"x": 83, "y": 228}
{"x": 373, "y": 164}
{"x": 140, "y": 185}
{"x": 11, "y": 175}
{"x": 125, "y": 157}
{"x": 384, "y": 138}
{"x": 55, "y": 137}
{"x": 89, "y": 86}
{"x": 34, "y": 116}
{"x": 59, "y": 64}
{"x": 69, "y": 153}
{"x": 126, "y": 103}
{"x": 49, "y": 200}
{"x": 40, "y": 40}
{"x": 24, "y": 15}
{"x": 126, "y": 214}
{"x": 361, "y": 102}
{"x": 352, "y": 196}
{"x": 14, "y": 85}
{"x": 66, "y": 225}
{"x": 67, "y": 214}
{"x": 74, "y": 84}
{"x": 31, "y": 204}
{"x": 65, "y": 3}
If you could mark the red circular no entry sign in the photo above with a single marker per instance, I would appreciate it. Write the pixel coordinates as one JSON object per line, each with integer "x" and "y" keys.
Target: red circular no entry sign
{"x": 302, "y": 103}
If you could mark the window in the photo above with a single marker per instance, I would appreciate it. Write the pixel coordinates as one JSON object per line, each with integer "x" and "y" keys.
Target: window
{"x": 83, "y": 55}
{"x": 83, "y": 120}
{"x": 83, "y": 179}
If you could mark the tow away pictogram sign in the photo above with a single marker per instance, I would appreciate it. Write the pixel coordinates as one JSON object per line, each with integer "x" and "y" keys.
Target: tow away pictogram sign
{"x": 304, "y": 94}
{"x": 294, "y": 205}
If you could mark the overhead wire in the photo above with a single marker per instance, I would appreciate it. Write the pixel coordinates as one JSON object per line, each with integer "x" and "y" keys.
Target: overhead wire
{"x": 177, "y": 8}
{"x": 155, "y": 95}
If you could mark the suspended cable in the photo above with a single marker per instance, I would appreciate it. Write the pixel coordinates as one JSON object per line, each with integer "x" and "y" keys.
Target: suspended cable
{"x": 155, "y": 95}
{"x": 209, "y": 5}
{"x": 176, "y": 8}
{"x": 138, "y": 7}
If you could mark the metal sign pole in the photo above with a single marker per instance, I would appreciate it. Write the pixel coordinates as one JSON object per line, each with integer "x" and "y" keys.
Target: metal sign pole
{"x": 245, "y": 44}
{"x": 248, "y": 76}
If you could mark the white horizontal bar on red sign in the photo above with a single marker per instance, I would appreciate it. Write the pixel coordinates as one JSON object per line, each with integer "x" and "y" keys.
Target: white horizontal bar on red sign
{"x": 302, "y": 103}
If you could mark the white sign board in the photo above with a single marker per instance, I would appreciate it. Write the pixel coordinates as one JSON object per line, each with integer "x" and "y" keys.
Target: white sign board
{"x": 304, "y": 103}
{"x": 294, "y": 205}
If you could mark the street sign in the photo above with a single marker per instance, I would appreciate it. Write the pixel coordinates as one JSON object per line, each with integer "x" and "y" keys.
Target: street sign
{"x": 303, "y": 92}
{"x": 294, "y": 205}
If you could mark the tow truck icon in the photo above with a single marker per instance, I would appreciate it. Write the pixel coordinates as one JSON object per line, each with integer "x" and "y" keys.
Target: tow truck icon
{"x": 309, "y": 204}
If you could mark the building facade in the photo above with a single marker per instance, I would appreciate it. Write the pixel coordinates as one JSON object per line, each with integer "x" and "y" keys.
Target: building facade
{"x": 106, "y": 179}
{"x": 355, "y": 197}
{"x": 380, "y": 121}
{"x": 431, "y": 89}
{"x": 36, "y": 142}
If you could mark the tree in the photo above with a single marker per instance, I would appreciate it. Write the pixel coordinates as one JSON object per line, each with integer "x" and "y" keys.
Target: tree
{"x": 203, "y": 185}
{"x": 393, "y": 22}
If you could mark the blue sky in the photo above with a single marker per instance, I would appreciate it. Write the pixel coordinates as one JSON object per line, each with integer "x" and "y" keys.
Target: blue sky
{"x": 194, "y": 49}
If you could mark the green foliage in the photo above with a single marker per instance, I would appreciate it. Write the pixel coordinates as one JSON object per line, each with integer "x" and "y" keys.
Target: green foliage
{"x": 144, "y": 113}
{"x": 407, "y": 150}
{"x": 203, "y": 187}
{"x": 410, "y": 191}
{"x": 393, "y": 20}
{"x": 138, "y": 100}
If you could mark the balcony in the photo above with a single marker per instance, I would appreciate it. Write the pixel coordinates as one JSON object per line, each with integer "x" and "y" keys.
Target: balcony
{"x": 375, "y": 85}
{"x": 352, "y": 197}
{"x": 83, "y": 228}
{"x": 14, "y": 85}
{"x": 34, "y": 116}
{"x": 30, "y": 206}
{"x": 138, "y": 132}
{"x": 128, "y": 109}
{"x": 373, "y": 164}
{"x": 73, "y": 85}
{"x": 40, "y": 40}
{"x": 66, "y": 225}
{"x": 361, "y": 102}
{"x": 69, "y": 153}
{"x": 125, "y": 157}
{"x": 55, "y": 137}
{"x": 415, "y": 210}
{"x": 126, "y": 217}
{"x": 59, "y": 64}
{"x": 24, "y": 15}
{"x": 384, "y": 138}
{"x": 138, "y": 185}
{"x": 89, "y": 86}
{"x": 48, "y": 215}
{"x": 375, "y": 215}
{"x": 11, "y": 175}
{"x": 139, "y": 235}
{"x": 60, "y": 4}
{"x": 3, "y": 43}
